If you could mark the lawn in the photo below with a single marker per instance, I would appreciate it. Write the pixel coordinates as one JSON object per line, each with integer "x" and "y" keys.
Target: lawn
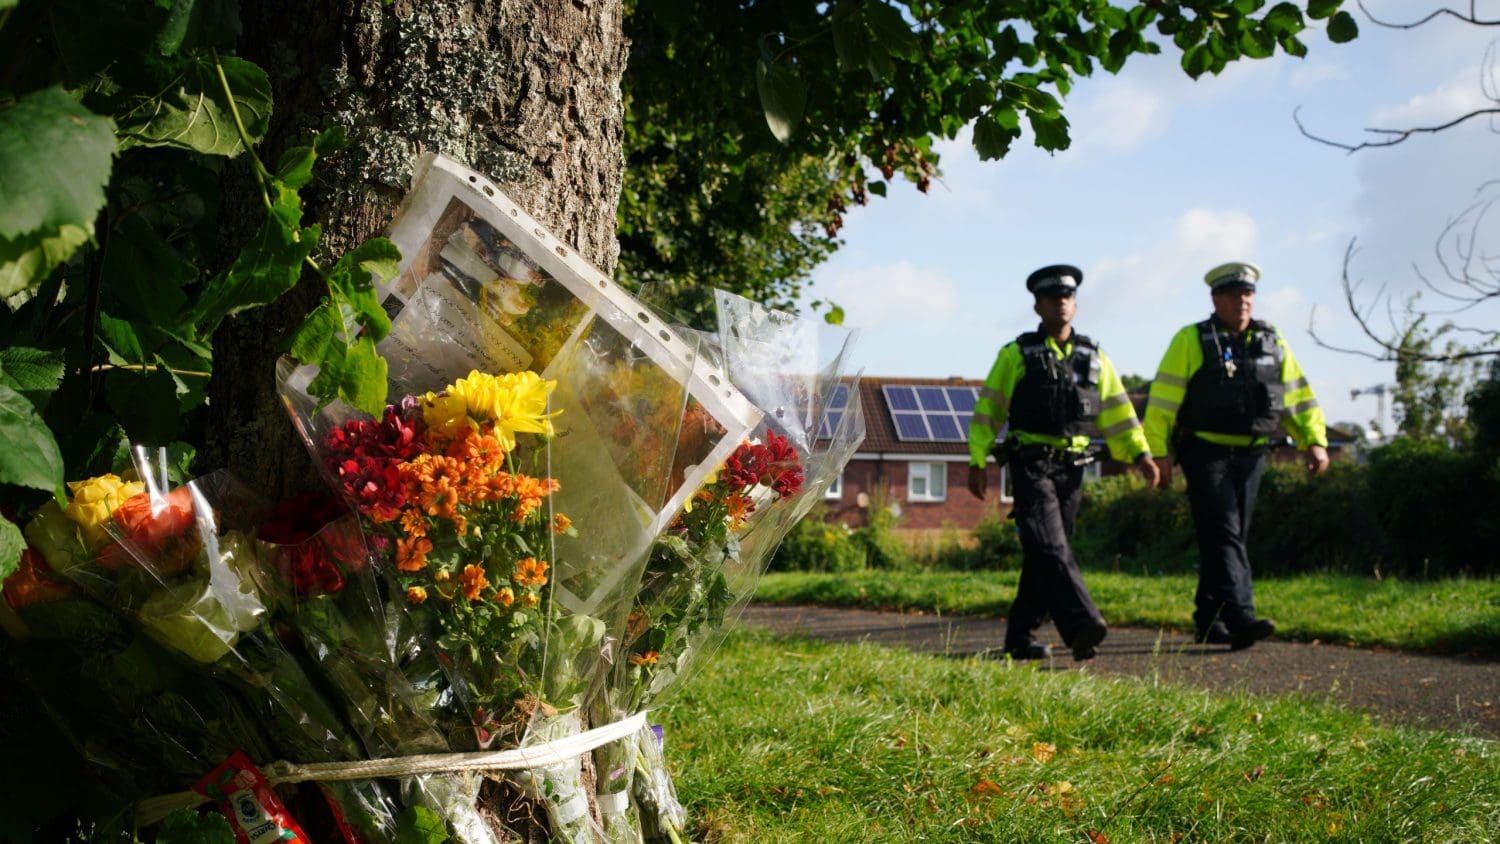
{"x": 786, "y": 740}
{"x": 1445, "y": 616}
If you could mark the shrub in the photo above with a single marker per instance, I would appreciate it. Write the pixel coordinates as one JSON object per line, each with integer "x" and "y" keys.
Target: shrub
{"x": 1434, "y": 508}
{"x": 1120, "y": 520}
{"x": 1303, "y": 523}
{"x": 999, "y": 545}
{"x": 883, "y": 549}
{"x": 816, "y": 545}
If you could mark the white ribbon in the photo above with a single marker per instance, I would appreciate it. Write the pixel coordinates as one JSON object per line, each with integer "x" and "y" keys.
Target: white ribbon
{"x": 521, "y": 758}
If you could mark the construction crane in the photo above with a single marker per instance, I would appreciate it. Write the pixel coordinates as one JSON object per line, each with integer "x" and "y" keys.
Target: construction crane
{"x": 1378, "y": 391}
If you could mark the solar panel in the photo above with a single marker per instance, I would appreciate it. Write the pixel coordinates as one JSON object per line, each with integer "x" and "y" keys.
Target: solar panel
{"x": 833, "y": 414}
{"x": 945, "y": 428}
{"x": 910, "y": 426}
{"x": 963, "y": 398}
{"x": 900, "y": 398}
{"x": 932, "y": 398}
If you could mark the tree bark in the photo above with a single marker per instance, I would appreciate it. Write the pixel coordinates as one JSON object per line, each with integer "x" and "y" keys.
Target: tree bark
{"x": 525, "y": 91}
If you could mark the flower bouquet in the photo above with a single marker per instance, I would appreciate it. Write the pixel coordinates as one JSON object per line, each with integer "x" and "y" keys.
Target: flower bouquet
{"x": 179, "y": 564}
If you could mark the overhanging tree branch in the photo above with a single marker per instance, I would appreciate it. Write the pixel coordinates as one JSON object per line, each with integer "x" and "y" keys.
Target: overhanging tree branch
{"x": 1472, "y": 17}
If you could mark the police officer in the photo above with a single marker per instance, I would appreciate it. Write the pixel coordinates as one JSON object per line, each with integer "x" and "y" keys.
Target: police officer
{"x": 1051, "y": 383}
{"x": 1220, "y": 391}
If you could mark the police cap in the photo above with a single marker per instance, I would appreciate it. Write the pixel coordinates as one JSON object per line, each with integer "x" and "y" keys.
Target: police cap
{"x": 1232, "y": 276}
{"x": 1055, "y": 280}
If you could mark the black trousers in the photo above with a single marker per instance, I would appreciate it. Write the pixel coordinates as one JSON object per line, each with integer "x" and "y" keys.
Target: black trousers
{"x": 1221, "y": 485}
{"x": 1047, "y": 492}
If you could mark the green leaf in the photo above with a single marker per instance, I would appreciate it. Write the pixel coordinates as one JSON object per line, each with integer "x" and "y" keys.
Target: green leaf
{"x": 783, "y": 96}
{"x": 186, "y": 826}
{"x": 146, "y": 274}
{"x": 12, "y": 543}
{"x": 352, "y": 282}
{"x": 198, "y": 24}
{"x": 1320, "y": 9}
{"x": 420, "y": 825}
{"x": 28, "y": 452}
{"x": 349, "y": 368}
{"x": 120, "y": 341}
{"x": 891, "y": 32}
{"x": 851, "y": 41}
{"x": 35, "y": 373}
{"x": 145, "y": 403}
{"x": 268, "y": 266}
{"x": 991, "y": 139}
{"x": 835, "y": 315}
{"x": 27, "y": 261}
{"x": 1342, "y": 28}
{"x": 976, "y": 97}
{"x": 194, "y": 113}
{"x": 877, "y": 187}
{"x": 1284, "y": 19}
{"x": 1051, "y": 131}
{"x": 55, "y": 159}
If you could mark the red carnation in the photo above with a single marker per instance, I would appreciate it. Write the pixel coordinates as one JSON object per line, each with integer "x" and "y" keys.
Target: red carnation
{"x": 774, "y": 464}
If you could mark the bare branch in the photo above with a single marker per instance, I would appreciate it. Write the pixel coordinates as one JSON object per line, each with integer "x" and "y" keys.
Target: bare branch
{"x": 1385, "y": 350}
{"x": 1397, "y": 135}
{"x": 1471, "y": 18}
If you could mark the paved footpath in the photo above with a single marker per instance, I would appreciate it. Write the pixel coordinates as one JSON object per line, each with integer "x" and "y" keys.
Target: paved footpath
{"x": 1450, "y": 693}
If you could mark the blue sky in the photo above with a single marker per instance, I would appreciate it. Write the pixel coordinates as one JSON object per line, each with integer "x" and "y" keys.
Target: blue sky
{"x": 1168, "y": 177}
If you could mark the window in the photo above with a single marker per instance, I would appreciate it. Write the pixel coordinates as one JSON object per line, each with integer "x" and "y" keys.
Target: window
{"x": 926, "y": 481}
{"x": 1093, "y": 471}
{"x": 835, "y": 490}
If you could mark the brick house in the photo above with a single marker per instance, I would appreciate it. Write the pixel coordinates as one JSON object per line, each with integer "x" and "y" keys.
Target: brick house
{"x": 915, "y": 456}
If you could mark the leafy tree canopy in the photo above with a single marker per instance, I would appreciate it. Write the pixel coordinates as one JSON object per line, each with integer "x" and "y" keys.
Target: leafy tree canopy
{"x": 750, "y": 129}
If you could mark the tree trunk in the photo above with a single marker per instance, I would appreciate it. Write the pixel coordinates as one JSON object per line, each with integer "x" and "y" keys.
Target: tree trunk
{"x": 525, "y": 91}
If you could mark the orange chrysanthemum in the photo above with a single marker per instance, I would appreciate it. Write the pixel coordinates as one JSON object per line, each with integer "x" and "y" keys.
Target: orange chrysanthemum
{"x": 530, "y": 572}
{"x": 560, "y": 523}
{"x": 411, "y": 553}
{"x": 505, "y": 596}
{"x": 416, "y": 594}
{"x": 529, "y": 599}
{"x": 647, "y": 658}
{"x": 738, "y": 507}
{"x": 413, "y": 522}
{"x": 474, "y": 582}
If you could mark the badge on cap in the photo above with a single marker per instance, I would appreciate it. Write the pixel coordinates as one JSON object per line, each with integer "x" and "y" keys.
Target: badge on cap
{"x": 1055, "y": 280}
{"x": 1232, "y": 274}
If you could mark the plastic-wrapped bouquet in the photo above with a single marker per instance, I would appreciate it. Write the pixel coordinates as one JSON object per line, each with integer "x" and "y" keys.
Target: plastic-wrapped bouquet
{"x": 179, "y": 563}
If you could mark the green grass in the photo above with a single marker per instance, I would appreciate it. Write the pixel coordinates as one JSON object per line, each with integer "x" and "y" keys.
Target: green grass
{"x": 1444, "y": 616}
{"x": 784, "y": 740}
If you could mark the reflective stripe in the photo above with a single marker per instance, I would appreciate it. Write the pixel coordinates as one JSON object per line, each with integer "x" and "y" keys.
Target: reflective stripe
{"x": 1120, "y": 427}
{"x": 1296, "y": 385}
{"x": 983, "y": 419}
{"x": 1163, "y": 403}
{"x": 1301, "y": 407}
{"x": 1172, "y": 380}
{"x": 1114, "y": 401}
{"x": 996, "y": 398}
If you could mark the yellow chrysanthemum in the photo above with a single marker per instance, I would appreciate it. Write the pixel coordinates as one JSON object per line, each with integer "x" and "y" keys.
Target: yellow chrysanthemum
{"x": 95, "y": 500}
{"x": 512, "y": 403}
{"x": 416, "y": 594}
{"x": 445, "y": 415}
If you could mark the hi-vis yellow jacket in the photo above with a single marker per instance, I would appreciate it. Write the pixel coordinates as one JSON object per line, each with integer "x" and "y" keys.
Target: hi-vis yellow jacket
{"x": 1302, "y": 418}
{"x": 1116, "y": 422}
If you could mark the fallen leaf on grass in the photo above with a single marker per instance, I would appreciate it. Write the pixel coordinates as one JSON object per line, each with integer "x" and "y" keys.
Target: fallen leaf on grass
{"x": 986, "y": 788}
{"x": 1097, "y": 837}
{"x": 1043, "y": 751}
{"x": 1257, "y": 773}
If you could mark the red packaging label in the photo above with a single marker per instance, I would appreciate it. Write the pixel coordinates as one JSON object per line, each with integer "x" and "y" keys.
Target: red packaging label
{"x": 254, "y": 811}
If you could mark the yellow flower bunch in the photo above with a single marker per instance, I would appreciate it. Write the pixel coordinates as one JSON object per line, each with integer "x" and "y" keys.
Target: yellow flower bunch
{"x": 95, "y": 500}
{"x": 511, "y": 403}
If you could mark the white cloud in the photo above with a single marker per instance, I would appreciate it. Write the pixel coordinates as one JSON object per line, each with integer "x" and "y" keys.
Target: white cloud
{"x": 871, "y": 295}
{"x": 1282, "y": 306}
{"x": 1122, "y": 115}
{"x": 1313, "y": 73}
{"x": 1461, "y": 94}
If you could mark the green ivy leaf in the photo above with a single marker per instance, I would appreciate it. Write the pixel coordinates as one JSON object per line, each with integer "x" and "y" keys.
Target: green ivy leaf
{"x": 783, "y": 96}
{"x": 1320, "y": 9}
{"x": 34, "y": 373}
{"x": 12, "y": 543}
{"x": 28, "y": 452}
{"x": 55, "y": 159}
{"x": 193, "y": 112}
{"x": 420, "y": 825}
{"x": 1342, "y": 28}
{"x": 27, "y": 261}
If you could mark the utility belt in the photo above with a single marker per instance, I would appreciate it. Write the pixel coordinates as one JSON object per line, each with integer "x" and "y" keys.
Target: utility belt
{"x": 1183, "y": 435}
{"x": 1013, "y": 449}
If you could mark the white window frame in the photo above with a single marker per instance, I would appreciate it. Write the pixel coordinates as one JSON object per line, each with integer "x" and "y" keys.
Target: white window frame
{"x": 835, "y": 491}
{"x": 936, "y": 491}
{"x": 1094, "y": 471}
